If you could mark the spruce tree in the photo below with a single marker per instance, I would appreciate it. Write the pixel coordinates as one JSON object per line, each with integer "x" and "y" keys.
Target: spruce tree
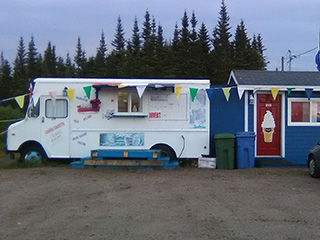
{"x": 175, "y": 40}
{"x": 5, "y": 78}
{"x": 49, "y": 63}
{"x": 185, "y": 33}
{"x": 203, "y": 48}
{"x": 60, "y": 68}
{"x": 33, "y": 64}
{"x": 193, "y": 21}
{"x": 70, "y": 69}
{"x": 148, "y": 58}
{"x": 20, "y": 79}
{"x": 222, "y": 53}
{"x": 204, "y": 39}
{"x": 242, "y": 48}
{"x": 116, "y": 60}
{"x": 80, "y": 59}
{"x": 146, "y": 31}
{"x": 101, "y": 58}
{"x": 119, "y": 42}
{"x": 257, "y": 58}
{"x": 133, "y": 64}
{"x": 135, "y": 39}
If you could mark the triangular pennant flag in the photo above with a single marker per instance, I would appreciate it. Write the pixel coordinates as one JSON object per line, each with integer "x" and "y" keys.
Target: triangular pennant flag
{"x": 226, "y": 92}
{"x": 289, "y": 90}
{"x": 177, "y": 90}
{"x": 209, "y": 93}
{"x": 240, "y": 91}
{"x": 309, "y": 92}
{"x": 53, "y": 95}
{"x": 193, "y": 93}
{"x": 87, "y": 90}
{"x": 20, "y": 100}
{"x": 30, "y": 89}
{"x": 140, "y": 90}
{"x": 274, "y": 92}
{"x": 122, "y": 86}
{"x": 70, "y": 93}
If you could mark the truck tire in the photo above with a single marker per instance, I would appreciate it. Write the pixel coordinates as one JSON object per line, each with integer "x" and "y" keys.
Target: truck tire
{"x": 314, "y": 168}
{"x": 33, "y": 154}
{"x": 166, "y": 151}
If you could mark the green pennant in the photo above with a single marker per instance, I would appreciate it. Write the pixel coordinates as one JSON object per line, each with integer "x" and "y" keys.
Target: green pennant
{"x": 289, "y": 90}
{"x": 87, "y": 90}
{"x": 193, "y": 93}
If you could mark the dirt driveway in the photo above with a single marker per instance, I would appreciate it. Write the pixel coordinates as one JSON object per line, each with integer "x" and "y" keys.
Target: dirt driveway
{"x": 62, "y": 203}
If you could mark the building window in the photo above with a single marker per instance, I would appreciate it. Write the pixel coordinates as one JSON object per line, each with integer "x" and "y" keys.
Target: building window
{"x": 57, "y": 108}
{"x": 302, "y": 112}
{"x": 128, "y": 102}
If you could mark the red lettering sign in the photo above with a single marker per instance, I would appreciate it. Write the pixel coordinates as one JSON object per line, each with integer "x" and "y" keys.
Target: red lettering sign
{"x": 154, "y": 114}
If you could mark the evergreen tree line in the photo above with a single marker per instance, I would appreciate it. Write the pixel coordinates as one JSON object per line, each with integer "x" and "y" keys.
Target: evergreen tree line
{"x": 191, "y": 53}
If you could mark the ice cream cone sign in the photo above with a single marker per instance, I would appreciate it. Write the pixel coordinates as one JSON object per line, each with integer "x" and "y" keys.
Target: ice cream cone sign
{"x": 268, "y": 126}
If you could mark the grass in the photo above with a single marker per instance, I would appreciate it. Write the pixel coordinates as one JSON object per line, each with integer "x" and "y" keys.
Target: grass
{"x": 17, "y": 164}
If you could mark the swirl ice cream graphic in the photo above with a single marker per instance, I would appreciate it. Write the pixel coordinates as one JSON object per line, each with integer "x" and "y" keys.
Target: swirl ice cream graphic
{"x": 268, "y": 126}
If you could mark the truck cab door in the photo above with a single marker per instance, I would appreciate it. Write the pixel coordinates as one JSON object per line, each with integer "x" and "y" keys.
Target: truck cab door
{"x": 55, "y": 126}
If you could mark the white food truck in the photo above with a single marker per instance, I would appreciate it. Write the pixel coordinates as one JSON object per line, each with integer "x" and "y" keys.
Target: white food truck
{"x": 69, "y": 117}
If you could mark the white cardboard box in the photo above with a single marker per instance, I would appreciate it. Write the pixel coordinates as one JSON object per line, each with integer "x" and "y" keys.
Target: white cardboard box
{"x": 206, "y": 162}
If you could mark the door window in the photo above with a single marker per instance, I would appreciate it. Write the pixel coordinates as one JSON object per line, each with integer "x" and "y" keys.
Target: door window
{"x": 57, "y": 108}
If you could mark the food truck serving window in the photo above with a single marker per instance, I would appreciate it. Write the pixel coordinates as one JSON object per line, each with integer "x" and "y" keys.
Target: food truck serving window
{"x": 128, "y": 102}
{"x": 56, "y": 109}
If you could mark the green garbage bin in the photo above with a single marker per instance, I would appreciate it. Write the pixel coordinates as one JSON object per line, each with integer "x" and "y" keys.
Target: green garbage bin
{"x": 224, "y": 146}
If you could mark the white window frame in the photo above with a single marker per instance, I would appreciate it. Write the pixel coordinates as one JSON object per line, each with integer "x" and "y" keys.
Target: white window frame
{"x": 304, "y": 100}
{"x": 129, "y": 112}
{"x": 54, "y": 105}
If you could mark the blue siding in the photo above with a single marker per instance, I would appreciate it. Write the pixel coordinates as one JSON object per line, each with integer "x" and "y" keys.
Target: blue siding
{"x": 228, "y": 117}
{"x": 299, "y": 139}
{"x": 225, "y": 116}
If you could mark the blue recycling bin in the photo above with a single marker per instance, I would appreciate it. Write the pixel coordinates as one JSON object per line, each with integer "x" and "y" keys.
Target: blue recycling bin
{"x": 245, "y": 149}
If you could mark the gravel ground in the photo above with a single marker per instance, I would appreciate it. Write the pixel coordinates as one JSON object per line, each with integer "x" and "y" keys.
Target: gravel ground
{"x": 62, "y": 203}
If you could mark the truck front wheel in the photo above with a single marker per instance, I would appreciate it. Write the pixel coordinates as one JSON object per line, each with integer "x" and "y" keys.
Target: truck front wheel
{"x": 33, "y": 154}
{"x": 166, "y": 151}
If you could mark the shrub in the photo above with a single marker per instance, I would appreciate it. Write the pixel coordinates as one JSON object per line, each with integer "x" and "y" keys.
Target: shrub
{"x": 8, "y": 115}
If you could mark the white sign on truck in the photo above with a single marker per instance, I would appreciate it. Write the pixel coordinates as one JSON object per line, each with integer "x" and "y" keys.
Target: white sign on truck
{"x": 69, "y": 117}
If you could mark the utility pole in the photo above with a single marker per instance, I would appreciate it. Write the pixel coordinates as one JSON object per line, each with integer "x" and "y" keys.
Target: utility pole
{"x": 290, "y": 60}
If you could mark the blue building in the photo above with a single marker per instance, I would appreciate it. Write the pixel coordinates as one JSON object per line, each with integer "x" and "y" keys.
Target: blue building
{"x": 281, "y": 108}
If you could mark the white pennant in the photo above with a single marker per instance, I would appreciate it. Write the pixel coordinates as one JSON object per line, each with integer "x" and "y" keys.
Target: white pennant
{"x": 240, "y": 91}
{"x": 140, "y": 90}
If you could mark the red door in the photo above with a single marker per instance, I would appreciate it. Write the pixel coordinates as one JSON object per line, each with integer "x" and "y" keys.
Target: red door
{"x": 268, "y": 125}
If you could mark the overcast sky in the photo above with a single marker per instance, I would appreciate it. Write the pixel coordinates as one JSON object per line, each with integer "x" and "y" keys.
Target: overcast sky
{"x": 283, "y": 24}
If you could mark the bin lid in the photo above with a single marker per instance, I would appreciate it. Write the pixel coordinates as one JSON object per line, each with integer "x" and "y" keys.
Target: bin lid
{"x": 224, "y": 136}
{"x": 245, "y": 134}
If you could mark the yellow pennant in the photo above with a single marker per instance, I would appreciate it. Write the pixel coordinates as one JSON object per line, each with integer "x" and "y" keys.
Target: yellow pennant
{"x": 20, "y": 100}
{"x": 177, "y": 90}
{"x": 70, "y": 93}
{"x": 226, "y": 92}
{"x": 122, "y": 86}
{"x": 274, "y": 92}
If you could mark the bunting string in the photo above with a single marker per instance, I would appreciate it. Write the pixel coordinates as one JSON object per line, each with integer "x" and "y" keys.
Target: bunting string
{"x": 10, "y": 120}
{"x": 11, "y": 98}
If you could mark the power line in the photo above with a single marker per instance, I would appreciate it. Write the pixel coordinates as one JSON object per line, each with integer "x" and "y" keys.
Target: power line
{"x": 291, "y": 57}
